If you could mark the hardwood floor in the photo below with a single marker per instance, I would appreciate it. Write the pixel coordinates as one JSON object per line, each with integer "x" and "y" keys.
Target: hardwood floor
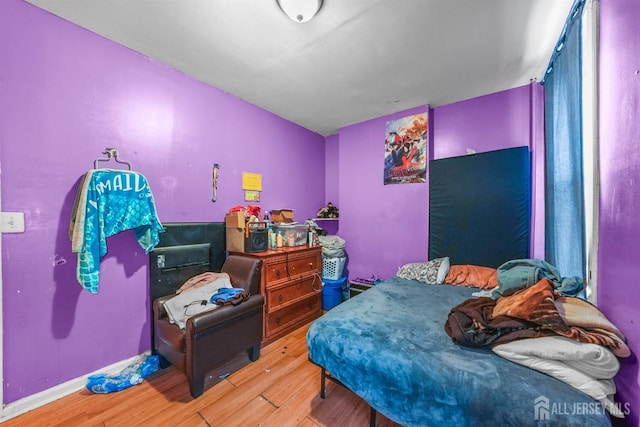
{"x": 279, "y": 389}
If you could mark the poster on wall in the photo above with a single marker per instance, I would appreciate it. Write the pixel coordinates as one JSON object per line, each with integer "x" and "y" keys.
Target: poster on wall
{"x": 405, "y": 153}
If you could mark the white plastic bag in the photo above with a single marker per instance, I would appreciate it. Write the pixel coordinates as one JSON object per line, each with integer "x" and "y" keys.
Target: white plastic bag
{"x": 332, "y": 246}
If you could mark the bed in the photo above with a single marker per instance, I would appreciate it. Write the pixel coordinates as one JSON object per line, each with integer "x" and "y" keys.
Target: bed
{"x": 388, "y": 344}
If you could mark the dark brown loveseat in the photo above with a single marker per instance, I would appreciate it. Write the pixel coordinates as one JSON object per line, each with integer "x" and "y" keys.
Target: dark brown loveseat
{"x": 217, "y": 342}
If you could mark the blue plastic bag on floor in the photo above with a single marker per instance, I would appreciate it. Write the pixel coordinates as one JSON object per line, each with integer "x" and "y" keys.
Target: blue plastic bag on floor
{"x": 129, "y": 376}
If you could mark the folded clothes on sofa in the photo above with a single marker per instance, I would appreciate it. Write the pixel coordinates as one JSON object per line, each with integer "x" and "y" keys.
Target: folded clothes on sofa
{"x": 194, "y": 301}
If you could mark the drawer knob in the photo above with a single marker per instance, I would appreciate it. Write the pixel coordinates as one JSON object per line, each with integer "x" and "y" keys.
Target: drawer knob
{"x": 280, "y": 297}
{"x": 278, "y": 273}
{"x": 277, "y": 320}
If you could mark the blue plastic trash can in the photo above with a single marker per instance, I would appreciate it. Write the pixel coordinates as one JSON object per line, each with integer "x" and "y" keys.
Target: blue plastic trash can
{"x": 332, "y": 292}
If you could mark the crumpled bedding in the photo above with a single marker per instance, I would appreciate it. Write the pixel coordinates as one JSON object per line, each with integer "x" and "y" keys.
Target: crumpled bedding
{"x": 539, "y": 305}
{"x": 565, "y": 337}
{"x": 473, "y": 324}
{"x": 530, "y": 313}
{"x": 583, "y": 314}
{"x": 388, "y": 346}
{"x": 518, "y": 274}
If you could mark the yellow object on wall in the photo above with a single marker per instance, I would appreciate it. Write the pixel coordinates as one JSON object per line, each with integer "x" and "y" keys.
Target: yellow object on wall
{"x": 251, "y": 181}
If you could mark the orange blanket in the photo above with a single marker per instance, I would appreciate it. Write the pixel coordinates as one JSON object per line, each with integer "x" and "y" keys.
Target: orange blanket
{"x": 472, "y": 275}
{"x": 566, "y": 316}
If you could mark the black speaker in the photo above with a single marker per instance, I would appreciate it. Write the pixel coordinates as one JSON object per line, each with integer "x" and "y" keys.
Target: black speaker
{"x": 256, "y": 238}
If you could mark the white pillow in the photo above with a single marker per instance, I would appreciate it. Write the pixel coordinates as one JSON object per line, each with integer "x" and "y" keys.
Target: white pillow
{"x": 546, "y": 355}
{"x": 593, "y": 360}
{"x": 443, "y": 270}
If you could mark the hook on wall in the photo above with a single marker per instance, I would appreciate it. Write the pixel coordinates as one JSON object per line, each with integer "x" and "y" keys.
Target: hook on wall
{"x": 214, "y": 196}
{"x": 111, "y": 153}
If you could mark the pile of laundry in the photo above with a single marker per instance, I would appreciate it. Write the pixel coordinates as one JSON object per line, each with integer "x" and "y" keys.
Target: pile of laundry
{"x": 539, "y": 327}
{"x": 203, "y": 292}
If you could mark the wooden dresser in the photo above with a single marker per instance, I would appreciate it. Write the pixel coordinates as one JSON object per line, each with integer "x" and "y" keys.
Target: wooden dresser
{"x": 291, "y": 283}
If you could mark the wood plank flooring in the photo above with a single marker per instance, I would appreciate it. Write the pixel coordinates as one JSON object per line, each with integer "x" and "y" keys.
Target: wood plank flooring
{"x": 280, "y": 389}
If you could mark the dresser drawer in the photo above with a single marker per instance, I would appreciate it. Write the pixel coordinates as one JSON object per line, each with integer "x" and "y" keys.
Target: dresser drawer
{"x": 289, "y": 314}
{"x": 285, "y": 267}
{"x": 304, "y": 265}
{"x": 276, "y": 271}
{"x": 292, "y": 287}
{"x": 291, "y": 291}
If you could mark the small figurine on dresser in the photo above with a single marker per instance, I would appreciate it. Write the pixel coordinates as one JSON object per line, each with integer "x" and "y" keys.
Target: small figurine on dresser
{"x": 329, "y": 211}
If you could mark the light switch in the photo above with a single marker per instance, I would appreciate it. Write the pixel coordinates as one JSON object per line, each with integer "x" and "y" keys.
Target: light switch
{"x": 12, "y": 222}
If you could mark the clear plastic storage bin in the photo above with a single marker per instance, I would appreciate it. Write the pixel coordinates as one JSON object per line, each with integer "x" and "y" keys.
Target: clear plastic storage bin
{"x": 292, "y": 234}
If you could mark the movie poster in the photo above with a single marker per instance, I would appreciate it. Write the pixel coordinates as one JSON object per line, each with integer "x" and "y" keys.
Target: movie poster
{"x": 405, "y": 154}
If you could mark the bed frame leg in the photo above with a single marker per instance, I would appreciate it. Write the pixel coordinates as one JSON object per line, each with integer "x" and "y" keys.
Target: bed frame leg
{"x": 323, "y": 379}
{"x": 323, "y": 383}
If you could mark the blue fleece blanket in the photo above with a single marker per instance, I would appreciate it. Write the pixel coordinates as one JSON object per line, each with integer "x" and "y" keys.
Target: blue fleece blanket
{"x": 388, "y": 346}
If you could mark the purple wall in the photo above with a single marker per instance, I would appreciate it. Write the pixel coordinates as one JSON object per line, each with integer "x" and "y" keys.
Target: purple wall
{"x": 491, "y": 122}
{"x": 619, "y": 248}
{"x": 332, "y": 175}
{"x": 383, "y": 225}
{"x": 332, "y": 182}
{"x": 65, "y": 95}
{"x": 386, "y": 226}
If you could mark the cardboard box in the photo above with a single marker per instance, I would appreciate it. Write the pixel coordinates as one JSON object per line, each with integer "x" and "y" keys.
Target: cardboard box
{"x": 282, "y": 215}
{"x": 235, "y": 219}
{"x": 235, "y": 239}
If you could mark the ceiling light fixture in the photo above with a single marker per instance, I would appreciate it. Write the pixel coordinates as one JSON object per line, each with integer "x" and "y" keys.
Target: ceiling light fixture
{"x": 300, "y": 10}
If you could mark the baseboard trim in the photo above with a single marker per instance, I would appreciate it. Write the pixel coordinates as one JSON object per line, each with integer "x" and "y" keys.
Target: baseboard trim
{"x": 37, "y": 400}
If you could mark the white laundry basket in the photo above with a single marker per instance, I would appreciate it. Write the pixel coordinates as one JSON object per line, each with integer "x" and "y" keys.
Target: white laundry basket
{"x": 332, "y": 267}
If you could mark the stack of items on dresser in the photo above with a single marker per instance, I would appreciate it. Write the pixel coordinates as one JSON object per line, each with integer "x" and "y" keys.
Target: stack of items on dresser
{"x": 246, "y": 230}
{"x": 285, "y": 232}
{"x": 249, "y": 231}
{"x": 334, "y": 280}
{"x": 290, "y": 277}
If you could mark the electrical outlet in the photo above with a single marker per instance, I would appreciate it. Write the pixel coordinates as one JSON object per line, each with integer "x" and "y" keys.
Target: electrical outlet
{"x": 12, "y": 222}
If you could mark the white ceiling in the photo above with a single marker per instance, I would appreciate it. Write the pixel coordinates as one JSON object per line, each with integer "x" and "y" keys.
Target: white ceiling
{"x": 356, "y": 60}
